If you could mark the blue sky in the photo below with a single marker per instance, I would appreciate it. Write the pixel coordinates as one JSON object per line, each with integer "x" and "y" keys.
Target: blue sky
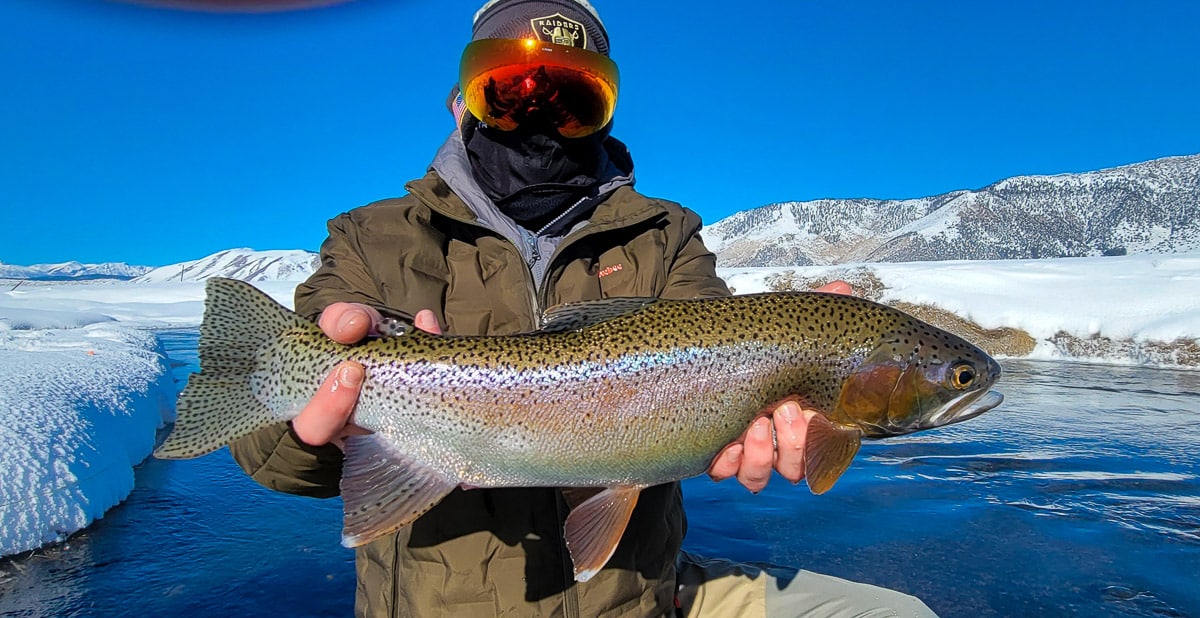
{"x": 153, "y": 136}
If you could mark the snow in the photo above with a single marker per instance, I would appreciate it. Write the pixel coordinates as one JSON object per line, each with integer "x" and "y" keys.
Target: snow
{"x": 79, "y": 406}
{"x": 1146, "y": 207}
{"x": 943, "y": 221}
{"x": 1140, "y": 297}
{"x": 244, "y": 264}
{"x": 72, "y": 270}
{"x": 84, "y": 384}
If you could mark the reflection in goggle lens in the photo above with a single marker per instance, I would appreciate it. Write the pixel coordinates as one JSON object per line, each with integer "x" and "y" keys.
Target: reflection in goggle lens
{"x": 509, "y": 84}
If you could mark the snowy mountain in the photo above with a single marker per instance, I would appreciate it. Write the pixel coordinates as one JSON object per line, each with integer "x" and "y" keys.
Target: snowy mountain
{"x": 1151, "y": 207}
{"x": 72, "y": 270}
{"x": 244, "y": 264}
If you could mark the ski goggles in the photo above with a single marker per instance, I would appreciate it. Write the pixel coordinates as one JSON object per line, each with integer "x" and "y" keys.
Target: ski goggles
{"x": 510, "y": 83}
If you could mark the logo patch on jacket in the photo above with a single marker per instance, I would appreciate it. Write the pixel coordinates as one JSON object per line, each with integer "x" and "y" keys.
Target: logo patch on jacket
{"x": 608, "y": 270}
{"x": 559, "y": 30}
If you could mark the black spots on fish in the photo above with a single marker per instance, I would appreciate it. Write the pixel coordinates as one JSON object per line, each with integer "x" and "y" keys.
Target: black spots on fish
{"x": 640, "y": 377}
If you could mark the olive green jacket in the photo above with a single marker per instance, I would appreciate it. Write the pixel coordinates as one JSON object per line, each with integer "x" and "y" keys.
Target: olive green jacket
{"x": 492, "y": 552}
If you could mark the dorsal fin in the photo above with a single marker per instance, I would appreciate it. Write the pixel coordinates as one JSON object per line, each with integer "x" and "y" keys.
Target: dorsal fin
{"x": 580, "y": 315}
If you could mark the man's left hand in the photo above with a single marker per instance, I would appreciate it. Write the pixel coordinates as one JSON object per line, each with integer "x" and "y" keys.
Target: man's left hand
{"x": 752, "y": 456}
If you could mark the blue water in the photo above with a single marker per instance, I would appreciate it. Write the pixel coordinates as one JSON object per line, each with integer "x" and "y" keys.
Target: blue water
{"x": 1079, "y": 496}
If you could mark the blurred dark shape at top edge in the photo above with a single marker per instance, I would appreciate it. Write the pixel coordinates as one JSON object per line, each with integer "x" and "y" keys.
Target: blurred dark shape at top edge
{"x": 236, "y": 6}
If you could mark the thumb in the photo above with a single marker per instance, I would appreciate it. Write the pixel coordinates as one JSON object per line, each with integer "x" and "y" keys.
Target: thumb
{"x": 327, "y": 413}
{"x": 427, "y": 321}
{"x": 836, "y": 287}
{"x": 348, "y": 322}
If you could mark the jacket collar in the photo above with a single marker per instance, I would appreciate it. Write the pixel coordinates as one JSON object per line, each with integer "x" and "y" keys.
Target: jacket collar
{"x": 450, "y": 165}
{"x": 622, "y": 207}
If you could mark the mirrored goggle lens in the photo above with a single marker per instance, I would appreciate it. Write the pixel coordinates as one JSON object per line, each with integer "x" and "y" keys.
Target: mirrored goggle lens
{"x": 510, "y": 83}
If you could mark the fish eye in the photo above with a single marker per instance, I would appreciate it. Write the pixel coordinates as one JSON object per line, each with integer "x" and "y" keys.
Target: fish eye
{"x": 962, "y": 376}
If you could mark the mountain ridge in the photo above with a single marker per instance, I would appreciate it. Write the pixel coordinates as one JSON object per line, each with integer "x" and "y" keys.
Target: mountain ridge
{"x": 1146, "y": 207}
{"x": 241, "y": 263}
{"x": 72, "y": 271}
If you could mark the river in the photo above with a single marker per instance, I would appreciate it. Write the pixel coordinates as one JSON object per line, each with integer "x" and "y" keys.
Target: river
{"x": 1079, "y": 496}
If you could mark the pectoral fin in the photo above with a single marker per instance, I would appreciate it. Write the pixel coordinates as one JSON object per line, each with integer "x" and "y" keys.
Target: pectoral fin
{"x": 594, "y": 528}
{"x": 383, "y": 490}
{"x": 828, "y": 450}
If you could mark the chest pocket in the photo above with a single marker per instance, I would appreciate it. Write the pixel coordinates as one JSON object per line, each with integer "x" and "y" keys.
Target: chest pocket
{"x": 635, "y": 267}
{"x": 489, "y": 288}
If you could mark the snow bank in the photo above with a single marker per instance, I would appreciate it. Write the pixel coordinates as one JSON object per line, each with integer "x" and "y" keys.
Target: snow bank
{"x": 1140, "y": 297}
{"x": 150, "y": 305}
{"x": 34, "y": 319}
{"x": 83, "y": 388}
{"x": 79, "y": 408}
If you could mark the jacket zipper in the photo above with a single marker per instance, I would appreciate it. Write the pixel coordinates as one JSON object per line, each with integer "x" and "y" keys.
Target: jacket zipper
{"x": 538, "y": 293}
{"x": 571, "y": 589}
{"x": 570, "y": 593}
{"x": 535, "y": 254}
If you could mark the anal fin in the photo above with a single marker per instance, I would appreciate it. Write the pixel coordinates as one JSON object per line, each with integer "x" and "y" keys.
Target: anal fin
{"x": 594, "y": 528}
{"x": 828, "y": 450}
{"x": 384, "y": 490}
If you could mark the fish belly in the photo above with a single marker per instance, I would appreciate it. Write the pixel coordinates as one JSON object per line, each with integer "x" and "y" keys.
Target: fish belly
{"x": 565, "y": 426}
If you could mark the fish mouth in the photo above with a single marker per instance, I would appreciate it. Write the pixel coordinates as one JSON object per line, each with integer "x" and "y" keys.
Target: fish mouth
{"x": 963, "y": 408}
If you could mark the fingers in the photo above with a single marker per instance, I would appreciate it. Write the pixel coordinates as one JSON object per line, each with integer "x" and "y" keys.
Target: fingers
{"x": 752, "y": 458}
{"x": 836, "y": 287}
{"x": 427, "y": 321}
{"x": 727, "y": 462}
{"x": 349, "y": 322}
{"x": 325, "y": 418}
{"x": 352, "y": 322}
{"x": 758, "y": 456}
{"x": 791, "y": 426}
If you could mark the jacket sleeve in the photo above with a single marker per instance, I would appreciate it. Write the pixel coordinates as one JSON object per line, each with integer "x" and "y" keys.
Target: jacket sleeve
{"x": 277, "y": 459}
{"x": 693, "y": 271}
{"x": 343, "y": 275}
{"x": 274, "y": 456}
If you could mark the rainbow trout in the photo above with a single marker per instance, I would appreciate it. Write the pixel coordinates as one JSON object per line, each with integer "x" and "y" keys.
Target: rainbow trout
{"x": 615, "y": 395}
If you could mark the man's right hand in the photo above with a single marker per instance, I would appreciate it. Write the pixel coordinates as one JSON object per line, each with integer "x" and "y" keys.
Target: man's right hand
{"x": 326, "y": 418}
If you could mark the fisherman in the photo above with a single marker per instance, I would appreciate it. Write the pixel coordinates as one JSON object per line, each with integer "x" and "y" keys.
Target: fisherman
{"x": 528, "y": 204}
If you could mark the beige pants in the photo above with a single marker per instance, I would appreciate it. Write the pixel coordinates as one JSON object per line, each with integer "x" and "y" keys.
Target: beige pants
{"x": 710, "y": 587}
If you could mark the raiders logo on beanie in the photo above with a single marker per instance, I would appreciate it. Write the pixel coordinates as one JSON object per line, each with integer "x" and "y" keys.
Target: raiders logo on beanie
{"x": 563, "y": 22}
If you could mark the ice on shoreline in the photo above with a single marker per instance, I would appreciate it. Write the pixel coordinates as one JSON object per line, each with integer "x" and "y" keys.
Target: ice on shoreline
{"x": 84, "y": 385}
{"x": 78, "y": 410}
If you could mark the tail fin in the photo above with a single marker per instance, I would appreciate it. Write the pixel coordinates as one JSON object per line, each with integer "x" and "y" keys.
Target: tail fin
{"x": 218, "y": 405}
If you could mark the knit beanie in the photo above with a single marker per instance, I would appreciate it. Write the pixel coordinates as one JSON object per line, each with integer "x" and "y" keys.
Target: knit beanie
{"x": 564, "y": 22}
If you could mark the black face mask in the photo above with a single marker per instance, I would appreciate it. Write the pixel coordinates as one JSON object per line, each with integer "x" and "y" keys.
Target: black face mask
{"x": 533, "y": 176}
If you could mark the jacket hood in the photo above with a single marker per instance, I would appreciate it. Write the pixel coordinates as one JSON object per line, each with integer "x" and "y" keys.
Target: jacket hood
{"x": 452, "y": 165}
